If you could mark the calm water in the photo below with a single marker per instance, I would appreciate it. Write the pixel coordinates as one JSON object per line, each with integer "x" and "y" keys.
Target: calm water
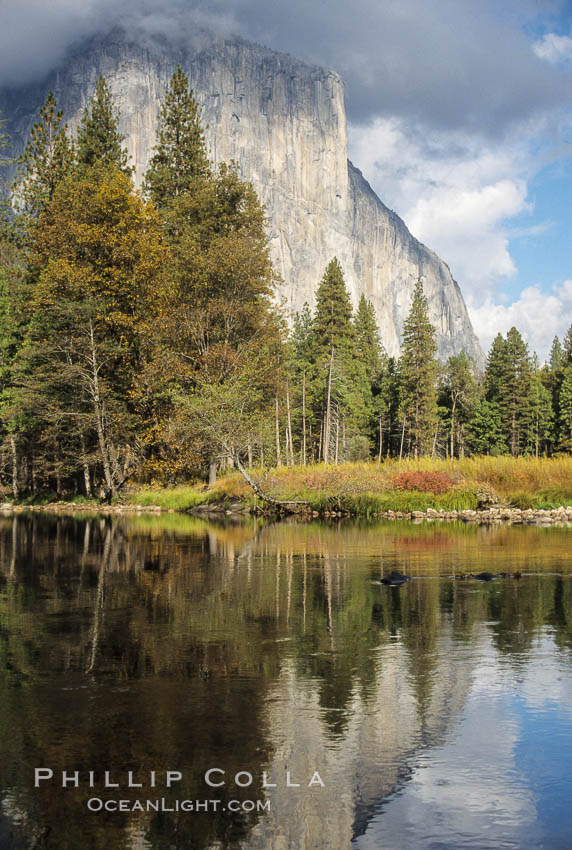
{"x": 436, "y": 715}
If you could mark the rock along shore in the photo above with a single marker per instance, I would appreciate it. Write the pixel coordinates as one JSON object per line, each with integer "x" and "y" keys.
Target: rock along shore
{"x": 512, "y": 516}
{"x": 488, "y": 516}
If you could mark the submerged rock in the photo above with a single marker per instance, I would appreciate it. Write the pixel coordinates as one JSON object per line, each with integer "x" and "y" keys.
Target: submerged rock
{"x": 394, "y": 579}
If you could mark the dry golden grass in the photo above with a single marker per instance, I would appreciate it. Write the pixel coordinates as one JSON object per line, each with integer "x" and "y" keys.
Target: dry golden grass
{"x": 364, "y": 488}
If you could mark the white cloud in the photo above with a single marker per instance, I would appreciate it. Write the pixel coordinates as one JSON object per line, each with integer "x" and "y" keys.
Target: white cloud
{"x": 455, "y": 194}
{"x": 458, "y": 195}
{"x": 554, "y": 48}
{"x": 465, "y": 226}
{"x": 539, "y": 316}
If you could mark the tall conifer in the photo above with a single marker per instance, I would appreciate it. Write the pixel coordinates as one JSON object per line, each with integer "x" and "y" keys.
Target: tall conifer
{"x": 341, "y": 378}
{"x": 556, "y": 355}
{"x": 461, "y": 396}
{"x": 368, "y": 339}
{"x": 508, "y": 382}
{"x": 180, "y": 155}
{"x": 99, "y": 141}
{"x": 47, "y": 159}
{"x": 418, "y": 374}
{"x": 565, "y": 411}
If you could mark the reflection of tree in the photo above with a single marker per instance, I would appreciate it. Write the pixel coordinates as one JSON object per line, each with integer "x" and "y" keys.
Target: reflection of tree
{"x": 161, "y": 694}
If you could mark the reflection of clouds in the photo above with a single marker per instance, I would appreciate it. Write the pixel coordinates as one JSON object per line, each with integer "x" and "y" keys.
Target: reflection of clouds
{"x": 547, "y": 678}
{"x": 490, "y": 675}
{"x": 468, "y": 792}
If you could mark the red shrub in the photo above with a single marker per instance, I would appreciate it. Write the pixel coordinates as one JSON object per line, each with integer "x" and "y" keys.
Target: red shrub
{"x": 426, "y": 482}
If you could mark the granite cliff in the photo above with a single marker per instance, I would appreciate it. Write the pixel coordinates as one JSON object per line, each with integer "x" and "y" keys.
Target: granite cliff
{"x": 283, "y": 122}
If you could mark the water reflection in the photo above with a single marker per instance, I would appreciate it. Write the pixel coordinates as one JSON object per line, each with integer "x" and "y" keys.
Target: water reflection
{"x": 169, "y": 643}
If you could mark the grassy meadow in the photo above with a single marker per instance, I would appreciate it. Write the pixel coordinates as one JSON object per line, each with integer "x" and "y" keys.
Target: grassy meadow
{"x": 368, "y": 488}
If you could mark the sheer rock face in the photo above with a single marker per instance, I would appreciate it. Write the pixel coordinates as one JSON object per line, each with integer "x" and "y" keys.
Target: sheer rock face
{"x": 283, "y": 122}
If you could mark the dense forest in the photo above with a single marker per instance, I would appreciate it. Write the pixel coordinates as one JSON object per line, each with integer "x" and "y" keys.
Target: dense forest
{"x": 141, "y": 336}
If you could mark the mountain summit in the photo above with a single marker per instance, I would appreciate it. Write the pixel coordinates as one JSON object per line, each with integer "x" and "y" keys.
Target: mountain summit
{"x": 283, "y": 123}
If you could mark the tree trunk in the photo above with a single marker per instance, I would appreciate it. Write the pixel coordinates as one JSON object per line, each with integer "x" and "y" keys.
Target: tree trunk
{"x": 453, "y": 427}
{"x": 513, "y": 435}
{"x": 291, "y": 506}
{"x": 15, "y": 488}
{"x": 389, "y": 427}
{"x": 24, "y": 472}
{"x": 58, "y": 481}
{"x": 380, "y": 441}
{"x": 99, "y": 419}
{"x": 337, "y": 437}
{"x": 328, "y": 422}
{"x": 303, "y": 458}
{"x": 212, "y": 473}
{"x": 249, "y": 450}
{"x": 402, "y": 439}
{"x": 33, "y": 476}
{"x": 278, "y": 458}
{"x": 85, "y": 465}
{"x": 290, "y": 459}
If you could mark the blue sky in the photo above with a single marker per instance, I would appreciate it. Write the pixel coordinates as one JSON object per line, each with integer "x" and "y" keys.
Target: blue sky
{"x": 492, "y": 194}
{"x": 540, "y": 242}
{"x": 459, "y": 115}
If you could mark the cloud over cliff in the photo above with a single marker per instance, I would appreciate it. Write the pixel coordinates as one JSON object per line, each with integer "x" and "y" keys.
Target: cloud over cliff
{"x": 448, "y": 64}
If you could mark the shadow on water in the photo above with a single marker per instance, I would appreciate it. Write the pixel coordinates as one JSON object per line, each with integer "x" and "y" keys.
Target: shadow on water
{"x": 148, "y": 644}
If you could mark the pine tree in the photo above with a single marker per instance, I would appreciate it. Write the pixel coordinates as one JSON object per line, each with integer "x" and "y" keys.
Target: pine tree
{"x": 541, "y": 415}
{"x": 368, "y": 340}
{"x": 460, "y": 396}
{"x": 556, "y": 359}
{"x": 371, "y": 353}
{"x": 302, "y": 355}
{"x": 385, "y": 405}
{"x": 47, "y": 159}
{"x": 417, "y": 375}
{"x": 222, "y": 280}
{"x": 494, "y": 374}
{"x": 180, "y": 155}
{"x": 341, "y": 380}
{"x": 565, "y": 399}
{"x": 6, "y": 212}
{"x": 4, "y": 143}
{"x": 14, "y": 316}
{"x": 508, "y": 382}
{"x": 333, "y": 315}
{"x": 484, "y": 430}
{"x": 567, "y": 347}
{"x": 561, "y": 393}
{"x": 99, "y": 141}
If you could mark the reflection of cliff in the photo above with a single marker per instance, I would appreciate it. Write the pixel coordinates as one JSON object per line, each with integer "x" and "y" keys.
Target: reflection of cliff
{"x": 360, "y": 768}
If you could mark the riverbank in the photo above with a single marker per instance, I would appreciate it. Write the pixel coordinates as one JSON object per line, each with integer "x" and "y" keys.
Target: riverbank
{"x": 487, "y": 489}
{"x": 512, "y": 516}
{"x": 406, "y": 487}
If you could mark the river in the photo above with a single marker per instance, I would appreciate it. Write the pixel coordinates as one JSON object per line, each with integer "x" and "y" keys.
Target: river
{"x": 169, "y": 682}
